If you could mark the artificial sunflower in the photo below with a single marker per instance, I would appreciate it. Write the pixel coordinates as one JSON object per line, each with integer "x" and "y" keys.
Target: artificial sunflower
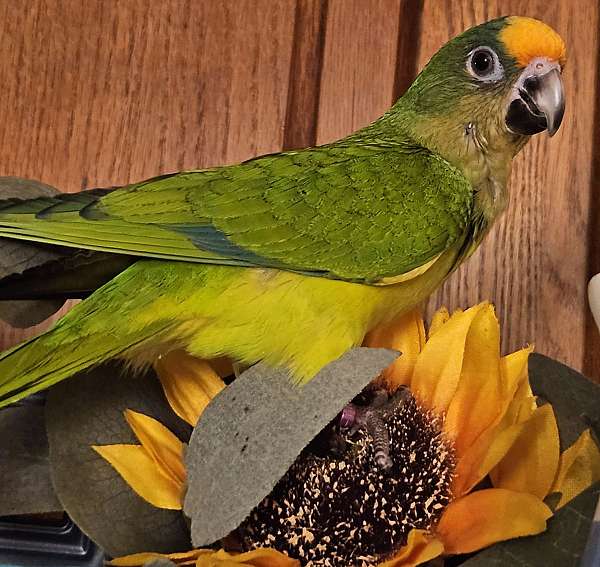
{"x": 473, "y": 456}
{"x": 155, "y": 469}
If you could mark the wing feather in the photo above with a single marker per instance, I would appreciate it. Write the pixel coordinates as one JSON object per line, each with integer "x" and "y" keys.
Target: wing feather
{"x": 366, "y": 213}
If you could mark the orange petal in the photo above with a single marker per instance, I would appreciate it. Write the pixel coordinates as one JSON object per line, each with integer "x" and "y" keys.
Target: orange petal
{"x": 140, "y": 472}
{"x": 189, "y": 384}
{"x": 494, "y": 443}
{"x": 438, "y": 367}
{"x": 531, "y": 463}
{"x": 140, "y": 559}
{"x": 420, "y": 547}
{"x": 255, "y": 558}
{"x": 485, "y": 517}
{"x": 579, "y": 468}
{"x": 440, "y": 317}
{"x": 162, "y": 445}
{"x": 483, "y": 455}
{"x": 481, "y": 394}
{"x": 522, "y": 406}
{"x": 406, "y": 334}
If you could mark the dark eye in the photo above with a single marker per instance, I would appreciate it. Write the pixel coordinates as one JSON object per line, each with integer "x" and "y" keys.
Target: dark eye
{"x": 483, "y": 64}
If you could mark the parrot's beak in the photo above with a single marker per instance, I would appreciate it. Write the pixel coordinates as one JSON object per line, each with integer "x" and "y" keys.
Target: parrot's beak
{"x": 537, "y": 101}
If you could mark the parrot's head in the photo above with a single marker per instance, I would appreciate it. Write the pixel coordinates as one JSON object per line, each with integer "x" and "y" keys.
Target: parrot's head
{"x": 487, "y": 91}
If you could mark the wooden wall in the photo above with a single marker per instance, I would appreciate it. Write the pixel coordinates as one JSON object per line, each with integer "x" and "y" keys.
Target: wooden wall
{"x": 105, "y": 92}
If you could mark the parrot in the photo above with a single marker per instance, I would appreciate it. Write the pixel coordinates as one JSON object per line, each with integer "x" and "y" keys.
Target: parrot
{"x": 292, "y": 258}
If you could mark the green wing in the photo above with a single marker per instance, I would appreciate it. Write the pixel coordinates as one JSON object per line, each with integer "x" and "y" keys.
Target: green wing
{"x": 358, "y": 212}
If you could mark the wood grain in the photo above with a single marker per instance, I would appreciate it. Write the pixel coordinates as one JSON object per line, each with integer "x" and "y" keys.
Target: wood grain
{"x": 409, "y": 38}
{"x": 357, "y": 82}
{"x": 305, "y": 74}
{"x": 591, "y": 363}
{"x": 533, "y": 265}
{"x": 104, "y": 93}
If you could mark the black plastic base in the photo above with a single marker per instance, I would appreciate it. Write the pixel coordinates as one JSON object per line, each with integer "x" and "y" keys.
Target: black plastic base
{"x": 52, "y": 540}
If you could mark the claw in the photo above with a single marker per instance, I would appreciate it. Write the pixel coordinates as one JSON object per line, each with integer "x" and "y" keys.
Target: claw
{"x": 373, "y": 419}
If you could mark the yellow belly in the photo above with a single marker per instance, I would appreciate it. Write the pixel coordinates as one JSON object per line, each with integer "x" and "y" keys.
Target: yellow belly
{"x": 297, "y": 321}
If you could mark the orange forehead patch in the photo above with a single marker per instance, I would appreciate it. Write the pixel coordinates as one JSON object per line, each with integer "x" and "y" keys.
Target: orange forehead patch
{"x": 526, "y": 38}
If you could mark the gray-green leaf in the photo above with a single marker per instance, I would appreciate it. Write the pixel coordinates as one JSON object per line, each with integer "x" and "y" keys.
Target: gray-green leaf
{"x": 25, "y": 480}
{"x": 17, "y": 256}
{"x": 252, "y": 432}
{"x": 88, "y": 410}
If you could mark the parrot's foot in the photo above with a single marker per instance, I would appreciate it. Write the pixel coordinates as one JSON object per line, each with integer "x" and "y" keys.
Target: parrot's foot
{"x": 373, "y": 417}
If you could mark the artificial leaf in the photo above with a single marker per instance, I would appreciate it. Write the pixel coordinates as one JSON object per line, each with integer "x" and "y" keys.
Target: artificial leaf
{"x": 88, "y": 410}
{"x": 17, "y": 256}
{"x": 252, "y": 432}
{"x": 25, "y": 480}
{"x": 74, "y": 275}
{"x": 576, "y": 403}
{"x": 561, "y": 545}
{"x": 579, "y": 468}
{"x": 575, "y": 399}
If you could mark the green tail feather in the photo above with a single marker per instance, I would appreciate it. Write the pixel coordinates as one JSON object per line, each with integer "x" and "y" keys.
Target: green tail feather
{"x": 38, "y": 364}
{"x": 70, "y": 220}
{"x": 68, "y": 348}
{"x": 25, "y": 370}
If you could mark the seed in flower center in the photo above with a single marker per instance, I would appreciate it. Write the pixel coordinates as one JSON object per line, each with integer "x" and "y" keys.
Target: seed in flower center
{"x": 342, "y": 510}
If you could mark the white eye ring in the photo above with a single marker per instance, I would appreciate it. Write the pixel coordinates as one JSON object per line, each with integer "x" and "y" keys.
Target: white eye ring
{"x": 483, "y": 64}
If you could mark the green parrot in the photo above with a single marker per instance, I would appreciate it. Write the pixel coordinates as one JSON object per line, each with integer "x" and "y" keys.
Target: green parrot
{"x": 292, "y": 258}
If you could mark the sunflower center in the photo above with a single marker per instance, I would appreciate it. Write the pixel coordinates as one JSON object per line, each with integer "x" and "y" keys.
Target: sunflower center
{"x": 341, "y": 510}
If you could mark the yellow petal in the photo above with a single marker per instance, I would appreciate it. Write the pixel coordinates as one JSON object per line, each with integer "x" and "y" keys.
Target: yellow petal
{"x": 140, "y": 472}
{"x": 440, "y": 317}
{"x": 494, "y": 443}
{"x": 139, "y": 559}
{"x": 514, "y": 370}
{"x": 255, "y": 558}
{"x": 189, "y": 384}
{"x": 522, "y": 406}
{"x": 405, "y": 334}
{"x": 420, "y": 547}
{"x": 483, "y": 455}
{"x": 162, "y": 445}
{"x": 531, "y": 463}
{"x": 481, "y": 395}
{"x": 485, "y": 517}
{"x": 579, "y": 468}
{"x": 437, "y": 370}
